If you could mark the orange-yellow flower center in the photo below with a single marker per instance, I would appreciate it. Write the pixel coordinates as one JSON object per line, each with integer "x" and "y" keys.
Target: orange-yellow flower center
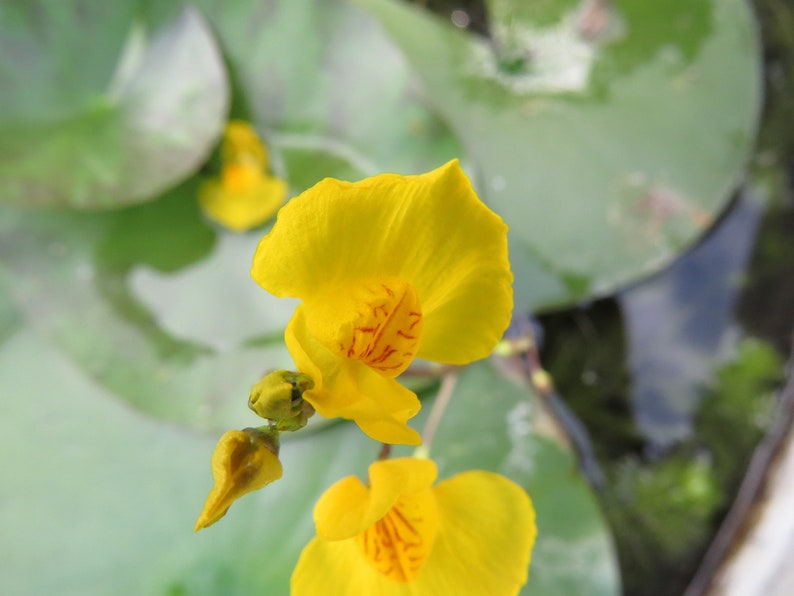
{"x": 399, "y": 543}
{"x": 378, "y": 322}
{"x": 240, "y": 177}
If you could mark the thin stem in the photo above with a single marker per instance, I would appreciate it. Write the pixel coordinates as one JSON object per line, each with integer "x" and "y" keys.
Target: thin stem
{"x": 442, "y": 400}
{"x": 429, "y": 371}
{"x": 385, "y": 451}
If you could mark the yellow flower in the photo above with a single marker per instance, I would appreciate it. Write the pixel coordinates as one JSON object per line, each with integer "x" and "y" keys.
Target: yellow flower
{"x": 388, "y": 269}
{"x": 241, "y": 145}
{"x": 470, "y": 534}
{"x": 245, "y": 195}
{"x": 243, "y": 461}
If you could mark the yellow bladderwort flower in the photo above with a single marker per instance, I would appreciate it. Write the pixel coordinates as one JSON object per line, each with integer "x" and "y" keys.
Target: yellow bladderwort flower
{"x": 389, "y": 268}
{"x": 243, "y": 461}
{"x": 241, "y": 144}
{"x": 470, "y": 534}
{"x": 245, "y": 195}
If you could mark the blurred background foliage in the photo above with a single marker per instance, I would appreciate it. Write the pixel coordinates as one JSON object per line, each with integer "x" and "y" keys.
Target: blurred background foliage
{"x": 611, "y": 136}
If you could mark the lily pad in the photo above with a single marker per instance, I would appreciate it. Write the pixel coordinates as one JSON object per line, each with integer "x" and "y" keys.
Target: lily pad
{"x": 321, "y": 75}
{"x": 609, "y": 136}
{"x": 151, "y": 301}
{"x": 10, "y": 320}
{"x": 104, "y": 126}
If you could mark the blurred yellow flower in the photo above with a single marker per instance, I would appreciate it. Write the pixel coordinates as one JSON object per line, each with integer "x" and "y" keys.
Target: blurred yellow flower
{"x": 470, "y": 534}
{"x": 241, "y": 145}
{"x": 245, "y": 195}
{"x": 389, "y": 268}
{"x": 243, "y": 461}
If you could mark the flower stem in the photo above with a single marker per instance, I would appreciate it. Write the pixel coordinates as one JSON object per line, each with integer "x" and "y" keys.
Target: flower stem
{"x": 442, "y": 400}
{"x": 385, "y": 451}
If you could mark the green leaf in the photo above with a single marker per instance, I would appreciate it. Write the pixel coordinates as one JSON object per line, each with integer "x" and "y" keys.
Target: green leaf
{"x": 309, "y": 162}
{"x": 84, "y": 135}
{"x": 604, "y": 140}
{"x": 151, "y": 302}
{"x": 320, "y": 75}
{"x": 10, "y": 320}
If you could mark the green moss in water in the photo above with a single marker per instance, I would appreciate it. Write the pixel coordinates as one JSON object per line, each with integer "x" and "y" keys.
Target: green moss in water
{"x": 664, "y": 513}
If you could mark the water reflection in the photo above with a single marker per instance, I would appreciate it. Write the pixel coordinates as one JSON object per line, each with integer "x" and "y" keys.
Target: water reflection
{"x": 680, "y": 324}
{"x": 673, "y": 380}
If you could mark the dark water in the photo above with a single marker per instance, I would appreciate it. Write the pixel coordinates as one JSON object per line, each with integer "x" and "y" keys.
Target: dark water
{"x": 674, "y": 379}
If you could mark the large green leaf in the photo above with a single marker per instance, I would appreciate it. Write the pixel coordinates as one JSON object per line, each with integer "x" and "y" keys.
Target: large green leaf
{"x": 608, "y": 141}
{"x": 320, "y": 76}
{"x": 10, "y": 319}
{"x": 100, "y": 500}
{"x": 85, "y": 123}
{"x": 151, "y": 302}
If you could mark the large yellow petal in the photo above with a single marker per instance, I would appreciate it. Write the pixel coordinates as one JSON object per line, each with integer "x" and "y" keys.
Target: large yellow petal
{"x": 338, "y": 568}
{"x": 341, "y": 512}
{"x": 350, "y": 389}
{"x": 401, "y": 475}
{"x": 430, "y": 230}
{"x": 486, "y": 537}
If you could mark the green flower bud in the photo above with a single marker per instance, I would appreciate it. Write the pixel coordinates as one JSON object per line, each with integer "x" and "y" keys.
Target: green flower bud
{"x": 298, "y": 421}
{"x": 278, "y": 396}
